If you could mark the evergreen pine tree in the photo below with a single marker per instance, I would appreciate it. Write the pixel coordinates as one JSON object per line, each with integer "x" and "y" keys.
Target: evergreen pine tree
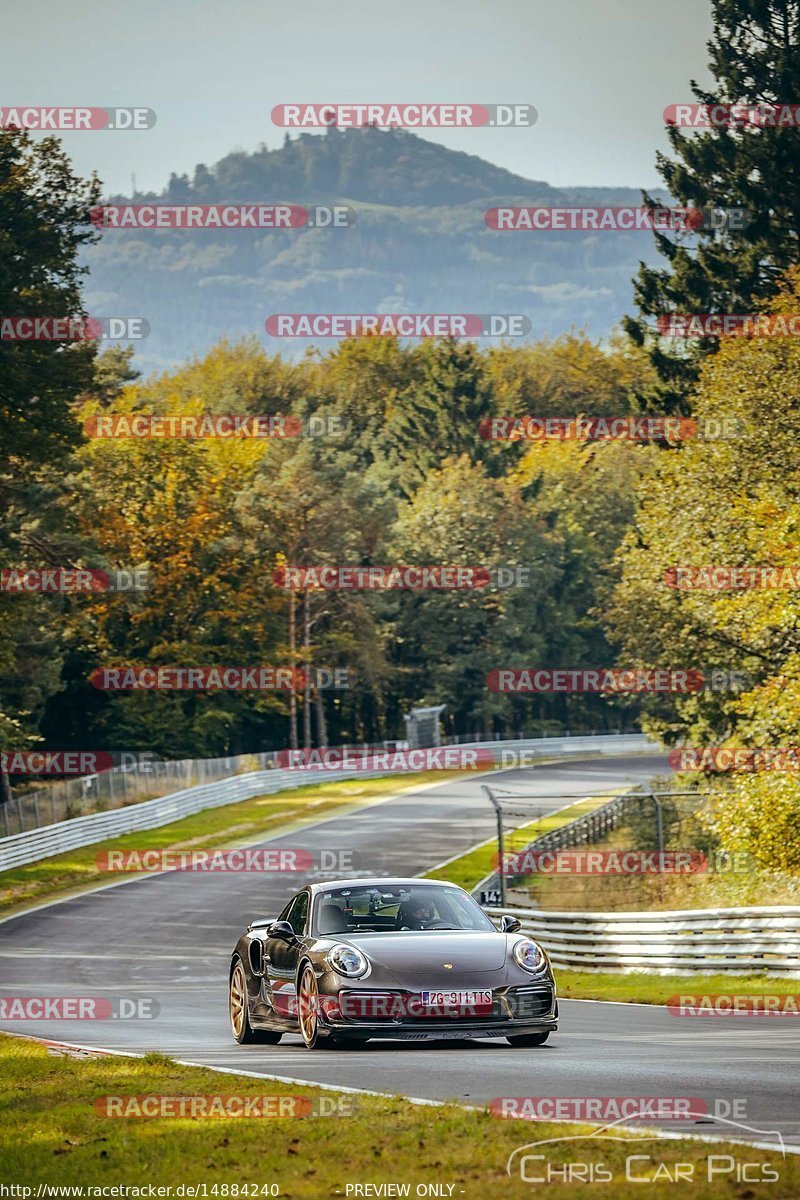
{"x": 755, "y": 59}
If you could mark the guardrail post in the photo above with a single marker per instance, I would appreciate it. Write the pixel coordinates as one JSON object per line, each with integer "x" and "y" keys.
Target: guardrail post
{"x": 5, "y": 792}
{"x": 501, "y": 871}
{"x": 659, "y": 838}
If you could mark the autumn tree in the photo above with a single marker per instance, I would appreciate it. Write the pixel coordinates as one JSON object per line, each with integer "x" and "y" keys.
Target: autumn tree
{"x": 733, "y": 501}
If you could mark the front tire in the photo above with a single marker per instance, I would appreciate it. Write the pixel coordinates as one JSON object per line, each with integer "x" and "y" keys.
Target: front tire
{"x": 308, "y": 1007}
{"x": 529, "y": 1039}
{"x": 241, "y": 1028}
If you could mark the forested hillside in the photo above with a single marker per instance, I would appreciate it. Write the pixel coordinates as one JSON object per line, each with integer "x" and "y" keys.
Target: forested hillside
{"x": 419, "y": 244}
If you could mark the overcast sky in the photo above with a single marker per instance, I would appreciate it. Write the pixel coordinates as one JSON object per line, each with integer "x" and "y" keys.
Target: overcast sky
{"x": 599, "y": 72}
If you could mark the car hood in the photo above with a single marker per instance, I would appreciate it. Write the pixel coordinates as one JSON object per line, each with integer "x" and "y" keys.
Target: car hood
{"x": 420, "y": 957}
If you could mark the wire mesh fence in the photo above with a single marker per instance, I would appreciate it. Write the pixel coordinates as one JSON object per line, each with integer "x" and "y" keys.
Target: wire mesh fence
{"x": 144, "y": 779}
{"x": 518, "y": 867}
{"x": 140, "y": 777}
{"x": 34, "y": 805}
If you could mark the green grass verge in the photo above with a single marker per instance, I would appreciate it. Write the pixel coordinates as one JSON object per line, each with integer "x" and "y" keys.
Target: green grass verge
{"x": 658, "y": 989}
{"x": 52, "y": 1134}
{"x": 470, "y": 868}
{"x": 226, "y": 827}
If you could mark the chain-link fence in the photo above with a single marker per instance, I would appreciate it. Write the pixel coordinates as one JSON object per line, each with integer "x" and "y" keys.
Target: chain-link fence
{"x": 144, "y": 779}
{"x": 32, "y": 806}
{"x": 539, "y": 729}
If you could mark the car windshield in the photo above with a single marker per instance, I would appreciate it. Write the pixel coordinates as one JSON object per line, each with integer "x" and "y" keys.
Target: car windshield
{"x": 388, "y": 908}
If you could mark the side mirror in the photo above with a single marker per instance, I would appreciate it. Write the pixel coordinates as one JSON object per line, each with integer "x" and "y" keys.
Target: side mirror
{"x": 255, "y": 952}
{"x": 282, "y": 930}
{"x": 510, "y": 925}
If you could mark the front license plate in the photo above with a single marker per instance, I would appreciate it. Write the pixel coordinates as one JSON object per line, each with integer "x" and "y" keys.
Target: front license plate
{"x": 481, "y": 999}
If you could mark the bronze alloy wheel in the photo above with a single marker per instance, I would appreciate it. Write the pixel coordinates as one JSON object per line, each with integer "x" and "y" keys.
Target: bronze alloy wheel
{"x": 240, "y": 1019}
{"x": 308, "y": 1007}
{"x": 238, "y": 1004}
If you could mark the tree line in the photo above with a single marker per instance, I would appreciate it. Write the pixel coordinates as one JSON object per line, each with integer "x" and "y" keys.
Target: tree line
{"x": 601, "y": 526}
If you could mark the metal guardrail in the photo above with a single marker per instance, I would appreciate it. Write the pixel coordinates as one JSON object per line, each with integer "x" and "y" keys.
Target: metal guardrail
{"x": 507, "y": 752}
{"x": 681, "y": 941}
{"x": 139, "y": 778}
{"x": 143, "y": 777}
{"x": 35, "y": 844}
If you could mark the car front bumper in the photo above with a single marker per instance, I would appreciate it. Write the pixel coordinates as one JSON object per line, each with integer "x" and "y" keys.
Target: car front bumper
{"x": 419, "y": 1032}
{"x": 516, "y": 1011}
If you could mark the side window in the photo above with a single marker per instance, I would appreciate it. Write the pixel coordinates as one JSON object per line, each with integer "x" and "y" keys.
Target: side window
{"x": 297, "y": 913}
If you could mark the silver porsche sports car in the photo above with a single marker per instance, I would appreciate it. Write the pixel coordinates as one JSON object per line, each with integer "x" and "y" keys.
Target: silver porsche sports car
{"x": 389, "y": 958}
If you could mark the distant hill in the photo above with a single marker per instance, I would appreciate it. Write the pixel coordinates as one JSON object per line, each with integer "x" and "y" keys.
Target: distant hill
{"x": 420, "y": 244}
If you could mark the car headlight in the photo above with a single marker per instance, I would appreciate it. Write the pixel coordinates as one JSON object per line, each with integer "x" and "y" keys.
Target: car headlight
{"x": 529, "y": 955}
{"x": 348, "y": 961}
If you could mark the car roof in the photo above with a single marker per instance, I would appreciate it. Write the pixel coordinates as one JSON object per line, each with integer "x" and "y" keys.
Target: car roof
{"x": 378, "y": 881}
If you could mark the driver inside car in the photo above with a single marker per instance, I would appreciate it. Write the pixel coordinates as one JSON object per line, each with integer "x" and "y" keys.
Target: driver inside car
{"x": 415, "y": 914}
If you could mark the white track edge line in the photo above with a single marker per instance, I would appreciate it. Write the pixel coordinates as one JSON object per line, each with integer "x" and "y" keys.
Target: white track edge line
{"x": 664, "y": 1135}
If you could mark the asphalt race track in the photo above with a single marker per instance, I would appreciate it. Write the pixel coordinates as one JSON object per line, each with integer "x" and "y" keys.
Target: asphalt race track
{"x": 170, "y": 936}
